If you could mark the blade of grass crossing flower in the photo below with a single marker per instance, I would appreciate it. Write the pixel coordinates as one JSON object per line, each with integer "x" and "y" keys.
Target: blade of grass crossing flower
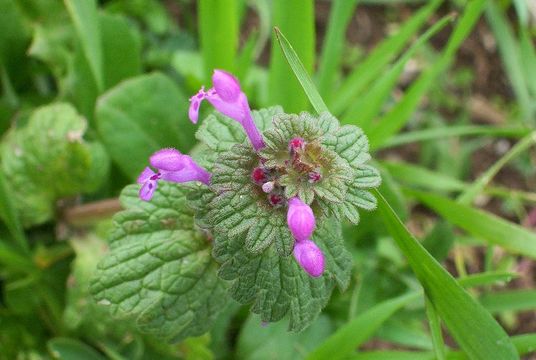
{"x": 469, "y": 195}
{"x": 218, "y": 32}
{"x": 8, "y": 214}
{"x": 340, "y": 14}
{"x": 301, "y": 73}
{"x": 481, "y": 224}
{"x": 435, "y": 330}
{"x": 473, "y": 328}
{"x": 354, "y": 333}
{"x": 375, "y": 63}
{"x": 366, "y": 107}
{"x": 84, "y": 15}
{"x": 453, "y": 131}
{"x": 401, "y": 113}
{"x": 296, "y": 19}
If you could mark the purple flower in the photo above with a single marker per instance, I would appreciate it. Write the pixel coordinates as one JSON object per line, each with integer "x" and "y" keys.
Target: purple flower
{"x": 310, "y": 257}
{"x": 171, "y": 166}
{"x": 227, "y": 97}
{"x": 300, "y": 219}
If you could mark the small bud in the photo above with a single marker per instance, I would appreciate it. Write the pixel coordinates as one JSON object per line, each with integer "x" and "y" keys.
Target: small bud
{"x": 258, "y": 175}
{"x": 167, "y": 159}
{"x": 268, "y": 187}
{"x": 297, "y": 143}
{"x": 300, "y": 219}
{"x": 309, "y": 257}
{"x": 226, "y": 85}
{"x": 276, "y": 200}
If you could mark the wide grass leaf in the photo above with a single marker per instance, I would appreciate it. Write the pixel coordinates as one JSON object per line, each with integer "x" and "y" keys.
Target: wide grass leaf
{"x": 473, "y": 328}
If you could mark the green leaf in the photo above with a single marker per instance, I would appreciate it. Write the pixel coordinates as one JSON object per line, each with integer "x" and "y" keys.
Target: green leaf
{"x": 358, "y": 330}
{"x": 474, "y": 329}
{"x": 401, "y": 113}
{"x": 374, "y": 64}
{"x": 219, "y": 34}
{"x": 48, "y": 159}
{"x": 481, "y": 224}
{"x": 273, "y": 341}
{"x": 140, "y": 116}
{"x": 512, "y": 300}
{"x": 276, "y": 284}
{"x": 159, "y": 269}
{"x": 68, "y": 349}
{"x": 302, "y": 76}
{"x": 121, "y": 49}
{"x": 86, "y": 22}
{"x": 341, "y": 12}
{"x": 445, "y": 132}
{"x": 295, "y": 18}
{"x": 368, "y": 106}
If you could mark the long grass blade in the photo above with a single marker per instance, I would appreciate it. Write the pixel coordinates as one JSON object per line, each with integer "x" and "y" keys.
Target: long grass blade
{"x": 301, "y": 74}
{"x": 474, "y": 329}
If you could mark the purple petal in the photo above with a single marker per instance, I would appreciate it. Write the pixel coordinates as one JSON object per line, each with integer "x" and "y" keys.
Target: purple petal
{"x": 226, "y": 85}
{"x": 147, "y": 189}
{"x": 168, "y": 159}
{"x": 232, "y": 109}
{"x": 145, "y": 175}
{"x": 300, "y": 219}
{"x": 309, "y": 257}
{"x": 251, "y": 130}
{"x": 189, "y": 171}
{"x": 195, "y": 103}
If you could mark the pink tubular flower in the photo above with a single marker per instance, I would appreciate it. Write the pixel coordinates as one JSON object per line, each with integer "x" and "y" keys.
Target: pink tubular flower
{"x": 227, "y": 97}
{"x": 309, "y": 257}
{"x": 171, "y": 166}
{"x": 300, "y": 219}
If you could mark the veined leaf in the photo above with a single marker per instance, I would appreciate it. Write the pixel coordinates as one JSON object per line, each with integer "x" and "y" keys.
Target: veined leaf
{"x": 160, "y": 270}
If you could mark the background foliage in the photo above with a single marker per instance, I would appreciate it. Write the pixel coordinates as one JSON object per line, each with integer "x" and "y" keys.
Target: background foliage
{"x": 445, "y": 90}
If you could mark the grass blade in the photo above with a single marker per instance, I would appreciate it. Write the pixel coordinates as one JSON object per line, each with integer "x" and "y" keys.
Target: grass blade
{"x": 86, "y": 23}
{"x": 402, "y": 111}
{"x": 296, "y": 19}
{"x": 375, "y": 63}
{"x": 435, "y": 330}
{"x": 345, "y": 340}
{"x": 218, "y": 32}
{"x": 452, "y": 131}
{"x": 512, "y": 300}
{"x": 481, "y": 224}
{"x": 301, "y": 73}
{"x": 340, "y": 14}
{"x": 469, "y": 195}
{"x": 474, "y": 329}
{"x": 487, "y": 278}
{"x": 511, "y": 57}
{"x": 365, "y": 108}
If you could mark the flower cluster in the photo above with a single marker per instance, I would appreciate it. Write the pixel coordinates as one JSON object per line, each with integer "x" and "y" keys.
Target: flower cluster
{"x": 227, "y": 97}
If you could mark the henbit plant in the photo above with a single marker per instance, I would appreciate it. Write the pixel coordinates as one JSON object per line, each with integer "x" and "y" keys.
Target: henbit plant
{"x": 269, "y": 209}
